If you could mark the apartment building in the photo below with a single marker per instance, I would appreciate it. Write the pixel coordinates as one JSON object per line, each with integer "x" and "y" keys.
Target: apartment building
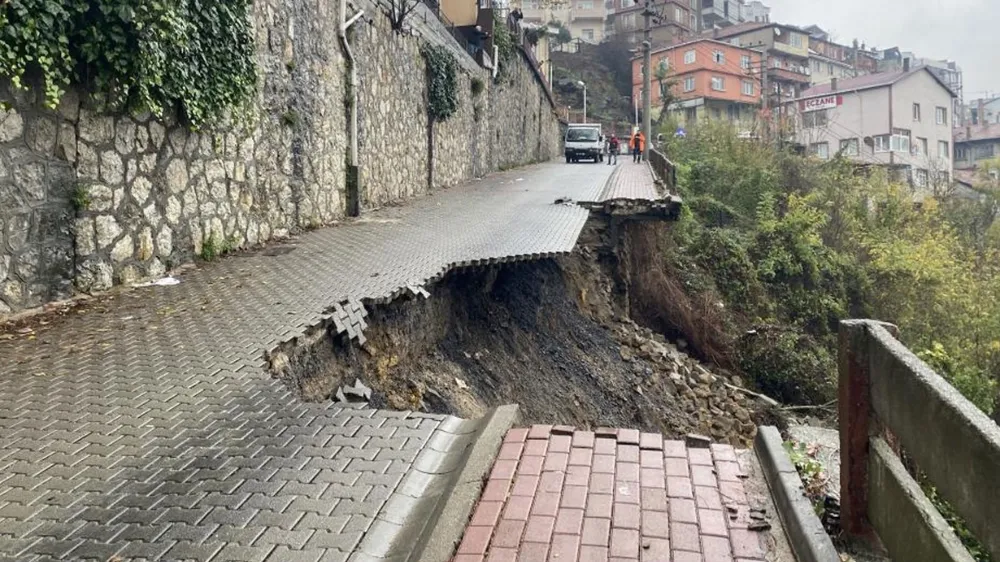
{"x": 823, "y": 70}
{"x": 677, "y": 19}
{"x": 721, "y": 13}
{"x": 585, "y": 19}
{"x": 755, "y": 11}
{"x": 829, "y": 59}
{"x": 787, "y": 52}
{"x": 975, "y": 144}
{"x": 901, "y": 120}
{"x": 711, "y": 80}
{"x": 948, "y": 71}
{"x": 983, "y": 111}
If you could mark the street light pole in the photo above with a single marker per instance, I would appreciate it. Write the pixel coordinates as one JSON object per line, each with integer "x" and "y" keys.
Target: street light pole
{"x": 647, "y": 123}
{"x": 581, "y": 83}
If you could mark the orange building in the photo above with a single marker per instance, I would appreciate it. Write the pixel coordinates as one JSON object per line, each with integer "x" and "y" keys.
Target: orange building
{"x": 711, "y": 79}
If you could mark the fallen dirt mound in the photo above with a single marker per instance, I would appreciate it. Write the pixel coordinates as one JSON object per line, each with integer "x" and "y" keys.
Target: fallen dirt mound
{"x": 545, "y": 335}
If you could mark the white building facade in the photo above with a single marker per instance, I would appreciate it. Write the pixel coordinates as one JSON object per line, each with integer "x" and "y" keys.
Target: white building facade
{"x": 756, "y": 11}
{"x": 900, "y": 120}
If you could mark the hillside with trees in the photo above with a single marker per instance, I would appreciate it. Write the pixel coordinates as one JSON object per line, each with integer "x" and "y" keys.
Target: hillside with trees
{"x": 775, "y": 248}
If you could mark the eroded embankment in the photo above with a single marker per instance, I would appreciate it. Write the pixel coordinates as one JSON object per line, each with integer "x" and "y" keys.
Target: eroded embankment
{"x": 554, "y": 336}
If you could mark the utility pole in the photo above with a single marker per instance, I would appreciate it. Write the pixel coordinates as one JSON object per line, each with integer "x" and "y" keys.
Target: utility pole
{"x": 765, "y": 91}
{"x": 854, "y": 65}
{"x": 647, "y": 63}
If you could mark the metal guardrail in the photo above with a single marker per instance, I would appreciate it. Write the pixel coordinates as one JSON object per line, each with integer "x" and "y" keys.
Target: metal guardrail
{"x": 891, "y": 401}
{"x": 435, "y": 7}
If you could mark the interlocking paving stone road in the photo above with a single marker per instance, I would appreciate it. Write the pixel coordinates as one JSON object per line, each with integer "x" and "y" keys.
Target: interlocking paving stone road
{"x": 631, "y": 181}
{"x": 557, "y": 494}
{"x": 146, "y": 427}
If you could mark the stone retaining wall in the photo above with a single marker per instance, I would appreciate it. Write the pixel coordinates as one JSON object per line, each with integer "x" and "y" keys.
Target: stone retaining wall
{"x": 90, "y": 200}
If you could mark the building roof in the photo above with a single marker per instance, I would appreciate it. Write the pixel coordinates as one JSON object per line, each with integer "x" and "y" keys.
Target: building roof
{"x": 747, "y": 27}
{"x": 817, "y": 55}
{"x": 977, "y": 133}
{"x": 968, "y": 177}
{"x": 868, "y": 82}
{"x": 698, "y": 40}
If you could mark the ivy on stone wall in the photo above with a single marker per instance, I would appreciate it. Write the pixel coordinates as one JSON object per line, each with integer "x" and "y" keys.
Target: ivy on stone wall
{"x": 505, "y": 44}
{"x": 442, "y": 81}
{"x": 193, "y": 56}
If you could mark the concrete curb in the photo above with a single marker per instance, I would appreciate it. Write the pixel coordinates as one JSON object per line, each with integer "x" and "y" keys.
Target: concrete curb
{"x": 447, "y": 522}
{"x": 809, "y": 540}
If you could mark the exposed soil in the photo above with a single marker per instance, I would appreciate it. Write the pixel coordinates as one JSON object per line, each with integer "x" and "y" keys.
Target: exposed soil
{"x": 552, "y": 336}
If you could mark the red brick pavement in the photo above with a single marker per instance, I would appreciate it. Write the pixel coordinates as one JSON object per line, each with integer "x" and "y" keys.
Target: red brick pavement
{"x": 614, "y": 495}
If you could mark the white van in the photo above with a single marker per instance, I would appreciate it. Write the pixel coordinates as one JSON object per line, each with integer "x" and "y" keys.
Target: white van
{"x": 584, "y": 141}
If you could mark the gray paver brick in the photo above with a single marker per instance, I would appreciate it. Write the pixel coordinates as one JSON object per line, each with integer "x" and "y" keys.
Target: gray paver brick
{"x": 152, "y": 415}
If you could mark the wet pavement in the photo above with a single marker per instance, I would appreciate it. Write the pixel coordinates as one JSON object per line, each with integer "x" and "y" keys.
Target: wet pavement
{"x": 559, "y": 494}
{"x": 145, "y": 425}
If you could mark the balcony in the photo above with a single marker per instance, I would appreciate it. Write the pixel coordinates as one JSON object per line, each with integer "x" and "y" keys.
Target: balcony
{"x": 798, "y": 76}
{"x": 802, "y": 50}
{"x": 721, "y": 13}
{"x": 595, "y": 13}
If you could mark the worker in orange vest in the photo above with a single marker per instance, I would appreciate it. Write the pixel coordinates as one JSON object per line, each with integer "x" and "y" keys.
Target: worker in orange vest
{"x": 638, "y": 145}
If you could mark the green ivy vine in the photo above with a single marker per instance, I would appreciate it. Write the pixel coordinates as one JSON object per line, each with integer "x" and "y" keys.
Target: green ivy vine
{"x": 442, "y": 81}
{"x": 193, "y": 56}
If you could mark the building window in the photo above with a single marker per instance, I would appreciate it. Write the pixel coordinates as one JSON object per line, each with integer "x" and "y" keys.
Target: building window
{"x": 689, "y": 84}
{"x": 941, "y": 114}
{"x": 678, "y": 15}
{"x": 961, "y": 153}
{"x": 694, "y": 4}
{"x": 719, "y": 57}
{"x": 733, "y": 112}
{"x": 916, "y": 112}
{"x": 588, "y": 34}
{"x": 943, "y": 151}
{"x": 829, "y": 68}
{"x": 691, "y": 114}
{"x": 900, "y": 140}
{"x": 796, "y": 40}
{"x": 820, "y": 149}
{"x": 718, "y": 83}
{"x": 983, "y": 151}
{"x": 881, "y": 143}
{"x": 776, "y": 63}
{"x": 817, "y": 65}
{"x": 920, "y": 147}
{"x": 745, "y": 61}
{"x": 814, "y": 119}
{"x": 689, "y": 57}
{"x": 747, "y": 88}
{"x": 694, "y": 21}
{"x": 920, "y": 178}
{"x": 849, "y": 147}
{"x": 585, "y": 4}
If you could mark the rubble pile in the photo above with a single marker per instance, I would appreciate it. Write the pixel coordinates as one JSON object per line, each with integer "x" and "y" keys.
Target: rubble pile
{"x": 712, "y": 403}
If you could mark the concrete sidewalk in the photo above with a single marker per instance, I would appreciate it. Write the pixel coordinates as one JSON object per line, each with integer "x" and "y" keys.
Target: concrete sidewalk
{"x": 145, "y": 424}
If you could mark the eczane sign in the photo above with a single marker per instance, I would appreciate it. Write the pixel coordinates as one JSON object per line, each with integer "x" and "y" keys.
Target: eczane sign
{"x": 825, "y": 102}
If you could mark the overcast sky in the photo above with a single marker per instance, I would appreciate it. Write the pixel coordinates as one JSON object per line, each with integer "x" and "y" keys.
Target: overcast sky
{"x": 965, "y": 31}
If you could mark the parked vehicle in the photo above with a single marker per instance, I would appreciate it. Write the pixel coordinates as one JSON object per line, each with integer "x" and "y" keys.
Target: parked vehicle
{"x": 584, "y": 141}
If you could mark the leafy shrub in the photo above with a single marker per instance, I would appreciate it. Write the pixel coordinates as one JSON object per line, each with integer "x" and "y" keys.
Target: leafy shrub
{"x": 442, "y": 81}
{"x": 797, "y": 245}
{"x": 197, "y": 57}
{"x": 788, "y": 365}
{"x": 973, "y": 383}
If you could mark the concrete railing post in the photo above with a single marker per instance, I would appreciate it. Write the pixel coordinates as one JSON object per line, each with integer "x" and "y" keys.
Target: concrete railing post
{"x": 854, "y": 409}
{"x": 854, "y": 406}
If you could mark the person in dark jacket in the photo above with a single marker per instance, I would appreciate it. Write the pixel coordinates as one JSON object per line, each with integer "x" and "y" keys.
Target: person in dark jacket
{"x": 476, "y": 40}
{"x": 613, "y": 146}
